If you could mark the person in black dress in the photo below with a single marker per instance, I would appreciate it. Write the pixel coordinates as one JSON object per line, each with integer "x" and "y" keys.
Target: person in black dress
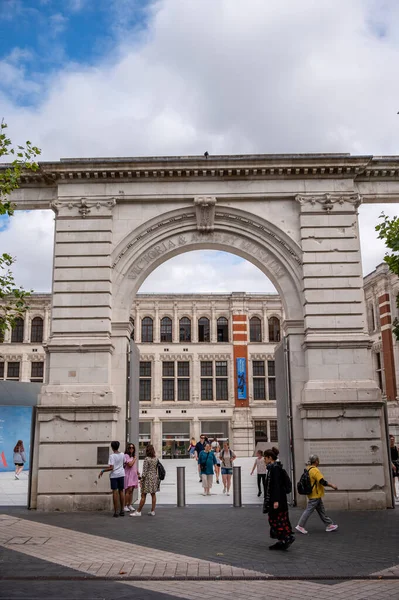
{"x": 395, "y": 462}
{"x": 275, "y": 503}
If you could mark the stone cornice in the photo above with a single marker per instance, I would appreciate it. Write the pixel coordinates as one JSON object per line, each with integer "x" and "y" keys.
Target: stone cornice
{"x": 327, "y": 201}
{"x": 226, "y": 167}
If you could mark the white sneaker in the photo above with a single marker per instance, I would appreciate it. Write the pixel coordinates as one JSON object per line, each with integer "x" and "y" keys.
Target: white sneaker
{"x": 331, "y": 527}
{"x": 224, "y": 490}
{"x": 126, "y": 509}
{"x": 228, "y": 493}
{"x": 16, "y": 476}
{"x": 135, "y": 514}
{"x": 131, "y": 508}
{"x": 301, "y": 529}
{"x": 151, "y": 513}
{"x": 204, "y": 494}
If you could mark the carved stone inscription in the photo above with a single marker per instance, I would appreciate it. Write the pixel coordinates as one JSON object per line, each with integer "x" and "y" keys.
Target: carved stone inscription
{"x": 157, "y": 250}
{"x": 342, "y": 452}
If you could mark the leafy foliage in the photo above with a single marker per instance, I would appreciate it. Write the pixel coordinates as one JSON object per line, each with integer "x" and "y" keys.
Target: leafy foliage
{"x": 388, "y": 230}
{"x": 23, "y": 158}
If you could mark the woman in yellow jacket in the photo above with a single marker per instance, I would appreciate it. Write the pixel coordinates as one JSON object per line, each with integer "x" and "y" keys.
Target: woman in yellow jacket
{"x": 315, "y": 499}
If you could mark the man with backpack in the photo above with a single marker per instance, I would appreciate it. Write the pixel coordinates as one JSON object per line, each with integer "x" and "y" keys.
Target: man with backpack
{"x": 312, "y": 484}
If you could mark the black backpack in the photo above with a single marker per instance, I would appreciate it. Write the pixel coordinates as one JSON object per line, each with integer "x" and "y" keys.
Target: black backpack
{"x": 161, "y": 471}
{"x": 286, "y": 481}
{"x": 304, "y": 485}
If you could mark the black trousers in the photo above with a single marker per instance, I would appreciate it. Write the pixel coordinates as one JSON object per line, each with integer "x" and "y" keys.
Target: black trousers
{"x": 261, "y": 478}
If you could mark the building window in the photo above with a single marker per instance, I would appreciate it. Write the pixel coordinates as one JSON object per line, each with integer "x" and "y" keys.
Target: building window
{"x": 206, "y": 389}
{"x": 222, "y": 329}
{"x": 185, "y": 330}
{"x": 274, "y": 329}
{"x": 37, "y": 372}
{"x": 204, "y": 330}
{"x": 145, "y": 381}
{"x": 371, "y": 318}
{"x": 259, "y": 379}
{"x": 379, "y": 371}
{"x": 147, "y": 330}
{"x": 166, "y": 329}
{"x": 36, "y": 330}
{"x": 214, "y": 387}
{"x": 17, "y": 333}
{"x": 255, "y": 330}
{"x": 13, "y": 370}
{"x": 169, "y": 373}
{"x": 273, "y": 431}
{"x": 271, "y": 376}
{"x": 1, "y": 370}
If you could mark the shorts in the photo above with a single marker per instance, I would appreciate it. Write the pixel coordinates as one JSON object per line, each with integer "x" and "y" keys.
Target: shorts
{"x": 227, "y": 471}
{"x": 19, "y": 464}
{"x": 117, "y": 483}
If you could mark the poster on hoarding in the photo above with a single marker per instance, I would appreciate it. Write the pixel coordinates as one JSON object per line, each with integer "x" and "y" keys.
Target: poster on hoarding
{"x": 241, "y": 365}
{"x": 15, "y": 424}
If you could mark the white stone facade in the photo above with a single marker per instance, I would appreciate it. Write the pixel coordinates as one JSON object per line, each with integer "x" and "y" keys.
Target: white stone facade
{"x": 293, "y": 216}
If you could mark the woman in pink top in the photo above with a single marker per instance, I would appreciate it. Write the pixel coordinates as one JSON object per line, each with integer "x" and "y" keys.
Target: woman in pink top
{"x": 131, "y": 476}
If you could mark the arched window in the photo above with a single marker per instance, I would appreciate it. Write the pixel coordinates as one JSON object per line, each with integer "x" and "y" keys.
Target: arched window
{"x": 36, "y": 330}
{"x": 274, "y": 329}
{"x": 255, "y": 330}
{"x": 203, "y": 330}
{"x": 147, "y": 330}
{"x": 222, "y": 329}
{"x": 166, "y": 329}
{"x": 17, "y": 333}
{"x": 185, "y": 330}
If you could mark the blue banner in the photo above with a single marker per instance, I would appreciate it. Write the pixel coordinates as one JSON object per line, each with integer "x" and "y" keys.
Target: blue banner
{"x": 15, "y": 424}
{"x": 241, "y": 366}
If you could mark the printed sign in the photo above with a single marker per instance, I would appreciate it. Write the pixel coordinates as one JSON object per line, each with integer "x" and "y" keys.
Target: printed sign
{"x": 15, "y": 424}
{"x": 241, "y": 365}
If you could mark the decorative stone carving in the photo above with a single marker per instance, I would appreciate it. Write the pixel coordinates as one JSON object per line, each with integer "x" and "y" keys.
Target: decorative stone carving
{"x": 83, "y": 207}
{"x": 205, "y": 213}
{"x": 328, "y": 200}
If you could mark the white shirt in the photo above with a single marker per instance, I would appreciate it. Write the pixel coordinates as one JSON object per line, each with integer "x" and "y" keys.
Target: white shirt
{"x": 117, "y": 461}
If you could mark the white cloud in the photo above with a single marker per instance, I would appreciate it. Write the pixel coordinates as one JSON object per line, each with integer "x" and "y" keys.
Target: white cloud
{"x": 207, "y": 271}
{"x": 227, "y": 77}
{"x": 29, "y": 238}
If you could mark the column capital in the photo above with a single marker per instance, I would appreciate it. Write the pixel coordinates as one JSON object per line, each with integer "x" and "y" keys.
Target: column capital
{"x": 313, "y": 202}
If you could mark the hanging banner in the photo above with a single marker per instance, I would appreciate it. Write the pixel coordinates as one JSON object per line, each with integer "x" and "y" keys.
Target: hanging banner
{"x": 15, "y": 424}
{"x": 241, "y": 368}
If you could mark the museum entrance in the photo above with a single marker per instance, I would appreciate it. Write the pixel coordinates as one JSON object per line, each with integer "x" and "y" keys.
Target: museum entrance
{"x": 175, "y": 439}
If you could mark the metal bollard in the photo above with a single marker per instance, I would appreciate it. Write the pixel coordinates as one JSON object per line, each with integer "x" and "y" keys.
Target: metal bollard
{"x": 237, "y": 500}
{"x": 181, "y": 487}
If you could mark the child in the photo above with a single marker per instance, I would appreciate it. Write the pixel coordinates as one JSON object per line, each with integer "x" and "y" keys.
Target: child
{"x": 116, "y": 478}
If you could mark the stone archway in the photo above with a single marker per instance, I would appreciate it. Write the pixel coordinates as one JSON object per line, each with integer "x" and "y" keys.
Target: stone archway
{"x": 295, "y": 217}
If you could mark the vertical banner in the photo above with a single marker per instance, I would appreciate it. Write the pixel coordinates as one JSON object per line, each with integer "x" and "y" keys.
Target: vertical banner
{"x": 241, "y": 368}
{"x": 15, "y": 424}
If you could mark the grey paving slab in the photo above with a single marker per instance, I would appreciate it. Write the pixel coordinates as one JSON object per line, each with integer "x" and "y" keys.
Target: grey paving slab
{"x": 366, "y": 542}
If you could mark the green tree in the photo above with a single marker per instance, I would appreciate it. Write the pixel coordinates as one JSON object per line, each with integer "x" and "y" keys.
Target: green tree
{"x": 22, "y": 158}
{"x": 388, "y": 230}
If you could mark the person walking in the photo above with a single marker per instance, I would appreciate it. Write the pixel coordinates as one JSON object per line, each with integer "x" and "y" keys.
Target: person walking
{"x": 19, "y": 458}
{"x": 315, "y": 499}
{"x": 199, "y": 447}
{"x": 131, "y": 476}
{"x": 116, "y": 478}
{"x": 191, "y": 448}
{"x": 207, "y": 459}
{"x": 149, "y": 482}
{"x": 275, "y": 503}
{"x": 395, "y": 463}
{"x": 227, "y": 457}
{"x": 260, "y": 467}
{"x": 216, "y": 449}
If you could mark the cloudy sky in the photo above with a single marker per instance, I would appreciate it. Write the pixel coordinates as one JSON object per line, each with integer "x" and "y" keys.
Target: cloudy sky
{"x": 86, "y": 78}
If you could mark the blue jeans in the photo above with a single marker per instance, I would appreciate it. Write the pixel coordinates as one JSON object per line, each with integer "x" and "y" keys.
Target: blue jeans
{"x": 315, "y": 504}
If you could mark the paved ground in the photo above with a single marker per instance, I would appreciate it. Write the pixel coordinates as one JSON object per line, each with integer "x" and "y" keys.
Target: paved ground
{"x": 211, "y": 551}
{"x": 13, "y": 492}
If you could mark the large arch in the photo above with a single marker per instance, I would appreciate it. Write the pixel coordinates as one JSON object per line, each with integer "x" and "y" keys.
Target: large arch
{"x": 294, "y": 217}
{"x": 235, "y": 231}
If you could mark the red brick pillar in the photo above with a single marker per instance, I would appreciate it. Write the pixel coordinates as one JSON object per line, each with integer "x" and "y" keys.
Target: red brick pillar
{"x": 387, "y": 346}
{"x": 240, "y": 353}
